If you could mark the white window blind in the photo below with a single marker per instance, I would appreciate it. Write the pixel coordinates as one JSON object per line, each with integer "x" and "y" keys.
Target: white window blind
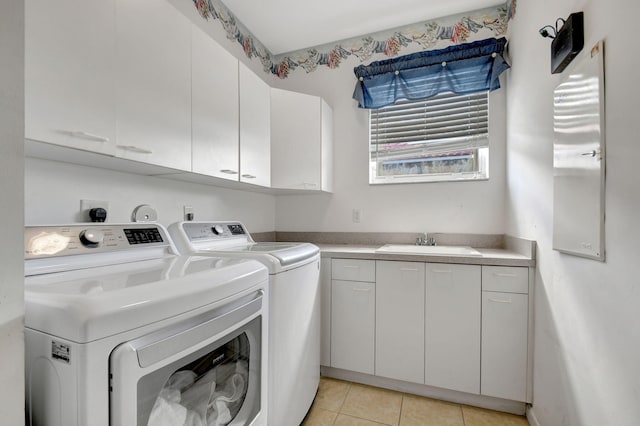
{"x": 447, "y": 119}
{"x": 442, "y": 136}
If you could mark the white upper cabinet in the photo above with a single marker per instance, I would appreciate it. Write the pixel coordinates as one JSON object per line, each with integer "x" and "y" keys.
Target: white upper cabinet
{"x": 214, "y": 113}
{"x": 326, "y": 147}
{"x": 255, "y": 129}
{"x": 69, "y": 68}
{"x": 153, "y": 83}
{"x": 301, "y": 141}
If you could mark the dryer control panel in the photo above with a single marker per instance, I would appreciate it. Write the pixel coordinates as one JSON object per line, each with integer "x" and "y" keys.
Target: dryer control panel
{"x": 54, "y": 241}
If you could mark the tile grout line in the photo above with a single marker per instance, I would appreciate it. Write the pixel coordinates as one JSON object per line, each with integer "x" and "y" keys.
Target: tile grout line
{"x": 343, "y": 401}
{"x": 464, "y": 422}
{"x": 401, "y": 408}
{"x": 361, "y": 418}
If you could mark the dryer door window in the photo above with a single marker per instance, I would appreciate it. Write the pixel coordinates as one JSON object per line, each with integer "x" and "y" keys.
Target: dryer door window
{"x": 216, "y": 381}
{"x": 207, "y": 391}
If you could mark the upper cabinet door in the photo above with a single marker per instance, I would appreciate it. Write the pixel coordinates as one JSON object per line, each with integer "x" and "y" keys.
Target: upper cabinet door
{"x": 153, "y": 83}
{"x": 69, "y": 66}
{"x": 214, "y": 124}
{"x": 296, "y": 140}
{"x": 326, "y": 166}
{"x": 255, "y": 129}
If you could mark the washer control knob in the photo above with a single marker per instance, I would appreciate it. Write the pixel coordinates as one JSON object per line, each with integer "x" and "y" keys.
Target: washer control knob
{"x": 91, "y": 237}
{"x": 218, "y": 230}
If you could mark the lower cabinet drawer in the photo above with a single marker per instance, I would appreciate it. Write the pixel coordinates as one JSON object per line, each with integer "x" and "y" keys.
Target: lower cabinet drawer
{"x": 509, "y": 279}
{"x": 353, "y": 270}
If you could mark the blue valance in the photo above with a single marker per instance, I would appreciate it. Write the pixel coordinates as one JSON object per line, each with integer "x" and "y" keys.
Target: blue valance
{"x": 463, "y": 68}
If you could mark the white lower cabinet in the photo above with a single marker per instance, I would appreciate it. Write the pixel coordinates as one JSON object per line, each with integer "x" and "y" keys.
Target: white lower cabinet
{"x": 400, "y": 320}
{"x": 352, "y": 325}
{"x": 505, "y": 317}
{"x": 325, "y": 312}
{"x": 452, "y": 326}
{"x": 353, "y": 310}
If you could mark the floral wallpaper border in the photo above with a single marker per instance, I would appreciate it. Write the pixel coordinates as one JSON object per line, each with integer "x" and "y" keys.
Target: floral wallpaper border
{"x": 451, "y": 30}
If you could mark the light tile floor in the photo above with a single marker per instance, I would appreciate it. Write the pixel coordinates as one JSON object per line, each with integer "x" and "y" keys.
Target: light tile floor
{"x": 343, "y": 403}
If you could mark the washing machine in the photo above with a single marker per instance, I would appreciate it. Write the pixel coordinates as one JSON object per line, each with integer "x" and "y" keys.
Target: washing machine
{"x": 120, "y": 330}
{"x": 294, "y": 308}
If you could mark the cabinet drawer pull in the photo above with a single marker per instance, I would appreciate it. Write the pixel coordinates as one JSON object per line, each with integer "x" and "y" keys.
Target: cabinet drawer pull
{"x": 228, "y": 172}
{"x": 350, "y": 266}
{"x": 309, "y": 184}
{"x": 409, "y": 269}
{"x": 441, "y": 271}
{"x": 362, "y": 290}
{"x": 503, "y": 275}
{"x": 135, "y": 149}
{"x": 89, "y": 136}
{"x": 247, "y": 176}
{"x": 499, "y": 300}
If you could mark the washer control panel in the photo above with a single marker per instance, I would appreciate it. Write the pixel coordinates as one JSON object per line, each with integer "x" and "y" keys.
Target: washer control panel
{"x": 53, "y": 241}
{"x": 214, "y": 231}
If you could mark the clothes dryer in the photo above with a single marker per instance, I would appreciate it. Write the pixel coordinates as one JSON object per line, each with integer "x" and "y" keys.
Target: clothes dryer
{"x": 120, "y": 330}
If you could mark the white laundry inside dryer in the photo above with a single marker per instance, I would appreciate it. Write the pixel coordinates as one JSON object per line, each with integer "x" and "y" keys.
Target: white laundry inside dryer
{"x": 208, "y": 392}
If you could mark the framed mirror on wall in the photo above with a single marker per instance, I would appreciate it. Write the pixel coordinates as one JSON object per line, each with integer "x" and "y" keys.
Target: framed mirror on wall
{"x": 579, "y": 158}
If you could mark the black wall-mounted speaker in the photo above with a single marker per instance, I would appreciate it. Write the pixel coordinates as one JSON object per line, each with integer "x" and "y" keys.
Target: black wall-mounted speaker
{"x": 568, "y": 42}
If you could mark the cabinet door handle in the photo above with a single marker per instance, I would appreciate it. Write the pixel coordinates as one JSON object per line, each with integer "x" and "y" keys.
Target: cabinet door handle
{"x": 351, "y": 266}
{"x": 409, "y": 269}
{"x": 362, "y": 290}
{"x": 499, "y": 300}
{"x": 135, "y": 149}
{"x": 501, "y": 274}
{"x": 441, "y": 271}
{"x": 228, "y": 172}
{"x": 310, "y": 184}
{"x": 88, "y": 136}
{"x": 248, "y": 176}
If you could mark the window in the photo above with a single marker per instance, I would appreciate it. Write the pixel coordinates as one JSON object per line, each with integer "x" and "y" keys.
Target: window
{"x": 442, "y": 138}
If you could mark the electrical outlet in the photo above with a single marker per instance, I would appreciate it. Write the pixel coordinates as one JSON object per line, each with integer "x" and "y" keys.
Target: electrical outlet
{"x": 86, "y": 205}
{"x": 188, "y": 213}
{"x": 356, "y": 215}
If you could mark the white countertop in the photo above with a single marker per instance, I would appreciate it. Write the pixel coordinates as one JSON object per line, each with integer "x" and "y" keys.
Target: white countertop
{"x": 499, "y": 257}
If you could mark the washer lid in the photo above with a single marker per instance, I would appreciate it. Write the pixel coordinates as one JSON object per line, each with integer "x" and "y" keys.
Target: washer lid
{"x": 286, "y": 253}
{"x": 277, "y": 257}
{"x": 91, "y": 304}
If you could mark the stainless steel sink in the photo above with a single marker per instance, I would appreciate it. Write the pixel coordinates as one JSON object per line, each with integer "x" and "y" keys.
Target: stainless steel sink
{"x": 429, "y": 250}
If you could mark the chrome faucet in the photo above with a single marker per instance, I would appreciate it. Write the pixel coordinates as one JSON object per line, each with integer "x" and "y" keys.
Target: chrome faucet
{"x": 425, "y": 240}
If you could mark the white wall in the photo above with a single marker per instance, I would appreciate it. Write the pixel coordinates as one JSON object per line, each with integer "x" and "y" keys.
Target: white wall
{"x": 587, "y": 337}
{"x": 54, "y": 190}
{"x": 11, "y": 212}
{"x": 475, "y": 207}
